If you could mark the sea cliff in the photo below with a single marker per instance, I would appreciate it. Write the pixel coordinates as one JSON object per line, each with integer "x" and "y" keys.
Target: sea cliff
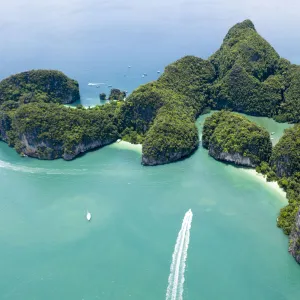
{"x": 232, "y": 138}
{"x": 294, "y": 247}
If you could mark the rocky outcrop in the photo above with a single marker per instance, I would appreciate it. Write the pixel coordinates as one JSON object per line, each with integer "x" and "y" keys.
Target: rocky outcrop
{"x": 294, "y": 247}
{"x": 285, "y": 157}
{"x": 82, "y": 148}
{"x": 166, "y": 158}
{"x": 233, "y": 138}
{"x": 48, "y": 150}
{"x": 235, "y": 158}
{"x": 39, "y": 86}
{"x": 116, "y": 94}
{"x": 5, "y": 125}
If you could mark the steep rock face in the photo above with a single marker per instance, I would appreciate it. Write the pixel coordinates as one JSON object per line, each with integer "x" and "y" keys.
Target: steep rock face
{"x": 49, "y": 131}
{"x": 233, "y": 138}
{"x": 235, "y": 158}
{"x": 116, "y": 94}
{"x": 5, "y": 125}
{"x": 47, "y": 150}
{"x": 39, "y": 86}
{"x": 165, "y": 158}
{"x": 285, "y": 157}
{"x": 294, "y": 247}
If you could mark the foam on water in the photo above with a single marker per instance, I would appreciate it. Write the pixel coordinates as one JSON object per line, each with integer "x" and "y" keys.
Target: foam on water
{"x": 25, "y": 169}
{"x": 177, "y": 269}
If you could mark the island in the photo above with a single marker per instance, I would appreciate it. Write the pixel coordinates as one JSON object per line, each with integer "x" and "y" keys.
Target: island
{"x": 233, "y": 138}
{"x": 102, "y": 96}
{"x": 244, "y": 75}
{"x": 116, "y": 94}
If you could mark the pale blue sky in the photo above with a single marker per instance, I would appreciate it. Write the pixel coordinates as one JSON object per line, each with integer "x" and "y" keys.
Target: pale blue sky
{"x": 82, "y": 37}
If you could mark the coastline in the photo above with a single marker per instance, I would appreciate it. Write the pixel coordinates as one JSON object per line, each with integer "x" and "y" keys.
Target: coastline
{"x": 123, "y": 145}
{"x": 273, "y": 185}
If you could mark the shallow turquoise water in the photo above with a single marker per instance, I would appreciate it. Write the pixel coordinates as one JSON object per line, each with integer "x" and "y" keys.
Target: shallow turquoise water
{"x": 49, "y": 250}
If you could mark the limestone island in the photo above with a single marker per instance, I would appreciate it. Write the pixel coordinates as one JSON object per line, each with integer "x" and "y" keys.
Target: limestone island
{"x": 233, "y": 138}
{"x": 245, "y": 75}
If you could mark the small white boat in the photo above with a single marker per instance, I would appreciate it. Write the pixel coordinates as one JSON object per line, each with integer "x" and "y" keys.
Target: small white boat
{"x": 143, "y": 76}
{"x": 272, "y": 133}
{"x": 88, "y": 216}
{"x": 272, "y": 138}
{"x": 119, "y": 140}
{"x": 158, "y": 72}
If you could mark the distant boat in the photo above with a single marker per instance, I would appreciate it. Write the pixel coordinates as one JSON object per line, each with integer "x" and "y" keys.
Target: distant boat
{"x": 95, "y": 83}
{"x": 119, "y": 140}
{"x": 143, "y": 76}
{"x": 23, "y": 155}
{"x": 272, "y": 133}
{"x": 272, "y": 138}
{"x": 88, "y": 216}
{"x": 158, "y": 72}
{"x": 129, "y": 67}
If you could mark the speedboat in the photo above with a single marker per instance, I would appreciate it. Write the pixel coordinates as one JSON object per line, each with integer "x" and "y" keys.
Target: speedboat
{"x": 158, "y": 72}
{"x": 88, "y": 216}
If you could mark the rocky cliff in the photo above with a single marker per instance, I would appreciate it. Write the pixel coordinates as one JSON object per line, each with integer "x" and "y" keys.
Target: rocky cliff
{"x": 285, "y": 157}
{"x": 235, "y": 158}
{"x": 294, "y": 247}
{"x": 63, "y": 132}
{"x": 233, "y": 138}
{"x": 49, "y": 150}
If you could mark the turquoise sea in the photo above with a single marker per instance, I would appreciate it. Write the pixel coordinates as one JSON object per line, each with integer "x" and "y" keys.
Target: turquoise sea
{"x": 49, "y": 251}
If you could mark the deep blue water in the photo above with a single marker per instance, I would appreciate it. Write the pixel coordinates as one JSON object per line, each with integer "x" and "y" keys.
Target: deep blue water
{"x": 96, "y": 40}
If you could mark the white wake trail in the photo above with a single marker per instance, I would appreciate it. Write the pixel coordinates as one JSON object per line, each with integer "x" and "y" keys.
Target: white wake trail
{"x": 177, "y": 269}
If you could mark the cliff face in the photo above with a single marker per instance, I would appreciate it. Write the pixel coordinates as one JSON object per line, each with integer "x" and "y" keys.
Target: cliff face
{"x": 235, "y": 158}
{"x": 285, "y": 157}
{"x": 294, "y": 247}
{"x": 49, "y": 131}
{"x": 233, "y": 138}
{"x": 5, "y": 125}
{"x": 49, "y": 150}
{"x": 165, "y": 158}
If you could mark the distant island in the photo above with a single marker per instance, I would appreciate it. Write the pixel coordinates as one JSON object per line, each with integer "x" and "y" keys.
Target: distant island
{"x": 245, "y": 75}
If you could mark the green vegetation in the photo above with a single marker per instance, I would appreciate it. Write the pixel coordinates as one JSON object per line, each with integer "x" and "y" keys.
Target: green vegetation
{"x": 39, "y": 86}
{"x": 285, "y": 158}
{"x": 173, "y": 135}
{"x": 285, "y": 163}
{"x": 234, "y": 138}
{"x": 43, "y": 127}
{"x": 192, "y": 77}
{"x": 244, "y": 47}
{"x": 162, "y": 113}
{"x": 116, "y": 94}
{"x": 289, "y": 110}
{"x": 58, "y": 131}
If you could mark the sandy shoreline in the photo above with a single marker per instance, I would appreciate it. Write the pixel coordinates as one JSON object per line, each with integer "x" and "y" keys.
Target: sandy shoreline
{"x": 128, "y": 146}
{"x": 272, "y": 185}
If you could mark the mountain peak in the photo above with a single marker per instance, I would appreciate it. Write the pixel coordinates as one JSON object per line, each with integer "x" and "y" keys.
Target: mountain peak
{"x": 240, "y": 27}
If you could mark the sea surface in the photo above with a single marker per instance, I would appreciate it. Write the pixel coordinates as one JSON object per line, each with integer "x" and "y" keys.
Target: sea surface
{"x": 49, "y": 251}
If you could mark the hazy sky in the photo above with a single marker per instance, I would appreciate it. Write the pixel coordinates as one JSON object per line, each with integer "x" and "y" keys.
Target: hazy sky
{"x": 62, "y": 33}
